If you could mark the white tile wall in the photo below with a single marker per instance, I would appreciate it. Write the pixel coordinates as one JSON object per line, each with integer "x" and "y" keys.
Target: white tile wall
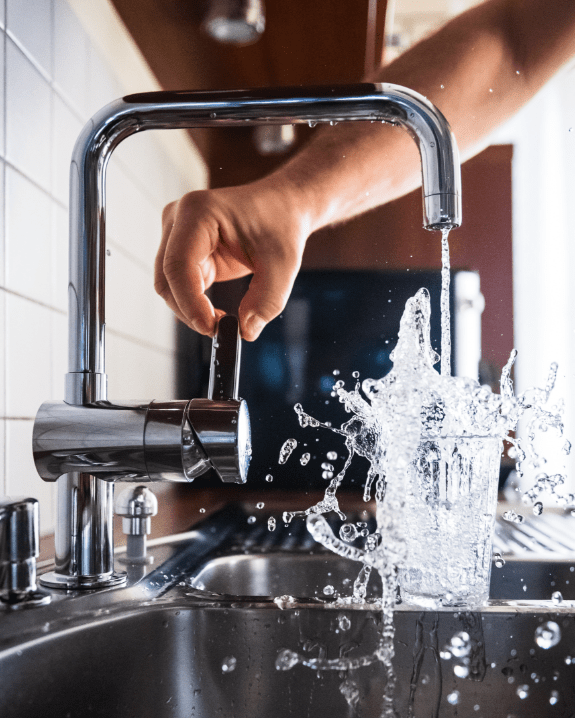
{"x": 52, "y": 79}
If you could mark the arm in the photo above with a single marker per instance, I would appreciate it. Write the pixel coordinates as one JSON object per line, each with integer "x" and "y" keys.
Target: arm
{"x": 479, "y": 69}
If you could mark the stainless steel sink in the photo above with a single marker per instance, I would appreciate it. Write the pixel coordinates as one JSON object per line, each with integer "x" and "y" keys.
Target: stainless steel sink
{"x": 161, "y": 646}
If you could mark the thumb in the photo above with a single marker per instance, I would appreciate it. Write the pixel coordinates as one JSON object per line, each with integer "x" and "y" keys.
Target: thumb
{"x": 266, "y": 297}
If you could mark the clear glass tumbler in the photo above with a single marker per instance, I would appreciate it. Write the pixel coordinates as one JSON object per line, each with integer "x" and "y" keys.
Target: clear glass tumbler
{"x": 450, "y": 509}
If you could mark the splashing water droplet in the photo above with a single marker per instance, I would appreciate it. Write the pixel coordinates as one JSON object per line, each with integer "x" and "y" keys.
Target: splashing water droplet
{"x": 343, "y": 622}
{"x": 523, "y": 691}
{"x": 271, "y": 523}
{"x": 538, "y": 508}
{"x": 461, "y": 671}
{"x": 355, "y": 374}
{"x": 269, "y": 478}
{"x": 260, "y": 505}
{"x": 460, "y": 644}
{"x": 286, "y": 660}
{"x": 332, "y": 455}
{"x": 348, "y": 532}
{"x": 499, "y": 560}
{"x": 513, "y": 517}
{"x": 566, "y": 448}
{"x": 229, "y": 664}
{"x": 326, "y": 467}
{"x": 328, "y": 590}
{"x": 202, "y": 511}
{"x": 554, "y": 698}
{"x": 252, "y": 519}
{"x": 453, "y": 698}
{"x": 335, "y": 372}
{"x": 286, "y": 451}
{"x": 547, "y": 635}
{"x": 327, "y": 475}
{"x": 568, "y": 660}
{"x": 557, "y": 597}
{"x": 304, "y": 459}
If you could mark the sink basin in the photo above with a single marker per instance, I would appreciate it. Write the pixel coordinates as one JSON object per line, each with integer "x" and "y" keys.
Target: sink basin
{"x": 199, "y": 637}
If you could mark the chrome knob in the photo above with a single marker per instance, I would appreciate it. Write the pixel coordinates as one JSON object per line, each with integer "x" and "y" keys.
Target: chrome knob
{"x": 19, "y": 548}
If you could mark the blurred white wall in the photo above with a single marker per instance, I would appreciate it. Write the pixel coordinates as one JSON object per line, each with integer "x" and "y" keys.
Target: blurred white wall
{"x": 543, "y": 136}
{"x": 58, "y": 65}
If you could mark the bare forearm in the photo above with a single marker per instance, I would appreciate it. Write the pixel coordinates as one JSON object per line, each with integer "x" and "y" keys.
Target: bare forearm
{"x": 479, "y": 70}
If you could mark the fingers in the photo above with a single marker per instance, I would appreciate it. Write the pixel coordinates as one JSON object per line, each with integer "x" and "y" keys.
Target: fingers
{"x": 267, "y": 295}
{"x": 184, "y": 268}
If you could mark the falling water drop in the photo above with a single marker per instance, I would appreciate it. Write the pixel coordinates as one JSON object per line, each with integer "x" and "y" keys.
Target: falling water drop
{"x": 547, "y": 635}
{"x": 557, "y": 597}
{"x": 304, "y": 459}
{"x": 229, "y": 664}
{"x": 453, "y": 698}
{"x": 499, "y": 560}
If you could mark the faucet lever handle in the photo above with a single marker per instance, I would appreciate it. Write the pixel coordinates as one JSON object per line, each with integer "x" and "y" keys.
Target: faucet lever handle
{"x": 225, "y": 364}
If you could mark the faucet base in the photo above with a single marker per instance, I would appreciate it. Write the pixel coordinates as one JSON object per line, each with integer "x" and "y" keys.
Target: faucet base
{"x": 53, "y": 579}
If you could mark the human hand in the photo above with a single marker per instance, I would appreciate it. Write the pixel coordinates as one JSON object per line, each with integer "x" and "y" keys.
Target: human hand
{"x": 222, "y": 234}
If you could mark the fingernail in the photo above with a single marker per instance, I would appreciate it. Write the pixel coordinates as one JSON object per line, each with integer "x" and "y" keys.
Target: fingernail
{"x": 254, "y": 326}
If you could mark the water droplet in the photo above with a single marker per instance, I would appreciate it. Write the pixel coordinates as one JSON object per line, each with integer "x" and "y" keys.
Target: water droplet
{"x": 212, "y": 115}
{"x": 557, "y": 597}
{"x": 476, "y": 707}
{"x": 355, "y": 374}
{"x": 109, "y": 252}
{"x": 269, "y": 478}
{"x": 445, "y": 655}
{"x": 498, "y": 559}
{"x": 568, "y": 660}
{"x": 202, "y": 511}
{"x": 304, "y": 459}
{"x": 343, "y": 622}
{"x": 332, "y": 455}
{"x": 547, "y": 635}
{"x": 490, "y": 89}
{"x": 453, "y": 698}
{"x": 460, "y": 644}
{"x": 327, "y": 475}
{"x": 348, "y": 532}
{"x": 566, "y": 448}
{"x": 523, "y": 691}
{"x": 538, "y": 508}
{"x": 513, "y": 517}
{"x": 328, "y": 590}
{"x": 271, "y": 523}
{"x": 461, "y": 671}
{"x": 554, "y": 698}
{"x": 432, "y": 144}
{"x": 229, "y": 664}
{"x": 335, "y": 372}
{"x": 442, "y": 87}
{"x": 312, "y": 123}
{"x": 251, "y": 519}
{"x": 326, "y": 467}
{"x": 286, "y": 660}
{"x": 286, "y": 451}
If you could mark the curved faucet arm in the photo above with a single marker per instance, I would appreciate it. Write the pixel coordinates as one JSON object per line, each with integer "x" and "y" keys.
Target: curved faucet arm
{"x": 86, "y": 381}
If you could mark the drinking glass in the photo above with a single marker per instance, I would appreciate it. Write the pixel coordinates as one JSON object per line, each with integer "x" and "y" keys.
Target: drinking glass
{"x": 449, "y": 519}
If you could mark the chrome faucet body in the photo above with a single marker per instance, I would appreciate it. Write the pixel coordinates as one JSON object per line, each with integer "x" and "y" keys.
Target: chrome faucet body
{"x": 86, "y": 443}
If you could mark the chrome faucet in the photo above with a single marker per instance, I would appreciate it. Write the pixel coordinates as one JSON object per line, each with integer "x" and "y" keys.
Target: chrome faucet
{"x": 86, "y": 443}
